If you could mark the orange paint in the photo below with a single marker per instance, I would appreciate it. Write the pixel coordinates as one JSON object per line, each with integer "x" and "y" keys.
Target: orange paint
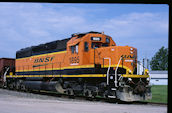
{"x": 82, "y": 56}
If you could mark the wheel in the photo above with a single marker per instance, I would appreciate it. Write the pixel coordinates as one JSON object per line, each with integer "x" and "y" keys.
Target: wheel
{"x": 88, "y": 93}
{"x": 4, "y": 85}
{"x": 17, "y": 86}
{"x": 105, "y": 94}
{"x": 23, "y": 87}
{"x": 70, "y": 91}
{"x": 12, "y": 85}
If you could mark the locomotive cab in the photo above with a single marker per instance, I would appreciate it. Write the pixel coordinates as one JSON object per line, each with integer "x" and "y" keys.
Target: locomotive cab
{"x": 82, "y": 45}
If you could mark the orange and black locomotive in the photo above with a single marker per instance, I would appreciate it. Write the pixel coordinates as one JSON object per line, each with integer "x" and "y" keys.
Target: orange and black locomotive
{"x": 88, "y": 64}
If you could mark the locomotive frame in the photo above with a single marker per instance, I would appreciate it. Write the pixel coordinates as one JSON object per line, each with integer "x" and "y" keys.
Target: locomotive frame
{"x": 88, "y": 64}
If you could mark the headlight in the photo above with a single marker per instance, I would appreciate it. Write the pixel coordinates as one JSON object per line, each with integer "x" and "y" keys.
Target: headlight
{"x": 148, "y": 79}
{"x": 111, "y": 77}
{"x": 148, "y": 72}
{"x": 129, "y": 79}
{"x": 129, "y": 71}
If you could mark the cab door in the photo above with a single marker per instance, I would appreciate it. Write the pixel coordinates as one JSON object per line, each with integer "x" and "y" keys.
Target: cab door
{"x": 74, "y": 55}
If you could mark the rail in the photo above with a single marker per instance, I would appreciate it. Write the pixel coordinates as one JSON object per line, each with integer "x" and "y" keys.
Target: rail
{"x": 116, "y": 73}
{"x": 6, "y": 73}
{"x": 107, "y": 75}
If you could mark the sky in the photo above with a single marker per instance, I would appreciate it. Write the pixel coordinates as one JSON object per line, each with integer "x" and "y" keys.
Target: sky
{"x": 143, "y": 26}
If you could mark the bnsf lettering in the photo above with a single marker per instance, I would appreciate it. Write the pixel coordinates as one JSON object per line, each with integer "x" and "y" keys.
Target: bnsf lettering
{"x": 47, "y": 59}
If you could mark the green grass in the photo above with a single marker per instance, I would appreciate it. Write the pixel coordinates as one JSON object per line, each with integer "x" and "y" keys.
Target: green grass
{"x": 159, "y": 93}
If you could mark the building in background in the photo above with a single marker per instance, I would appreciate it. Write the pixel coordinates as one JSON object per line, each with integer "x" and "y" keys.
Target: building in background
{"x": 159, "y": 77}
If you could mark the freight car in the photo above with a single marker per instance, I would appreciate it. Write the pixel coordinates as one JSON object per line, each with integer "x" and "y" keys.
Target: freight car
{"x": 7, "y": 67}
{"x": 88, "y": 64}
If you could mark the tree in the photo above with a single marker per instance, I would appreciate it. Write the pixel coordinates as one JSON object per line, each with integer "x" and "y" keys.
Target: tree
{"x": 160, "y": 60}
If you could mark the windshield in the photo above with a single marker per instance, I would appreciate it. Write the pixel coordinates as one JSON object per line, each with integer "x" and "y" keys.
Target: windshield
{"x": 95, "y": 45}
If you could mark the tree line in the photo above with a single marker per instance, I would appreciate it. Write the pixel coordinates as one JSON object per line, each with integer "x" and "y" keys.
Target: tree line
{"x": 160, "y": 60}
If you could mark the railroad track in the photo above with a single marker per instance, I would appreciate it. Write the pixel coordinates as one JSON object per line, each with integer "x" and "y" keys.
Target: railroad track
{"x": 96, "y": 99}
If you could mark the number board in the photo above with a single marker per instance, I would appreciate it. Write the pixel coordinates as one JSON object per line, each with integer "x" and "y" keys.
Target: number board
{"x": 96, "y": 38}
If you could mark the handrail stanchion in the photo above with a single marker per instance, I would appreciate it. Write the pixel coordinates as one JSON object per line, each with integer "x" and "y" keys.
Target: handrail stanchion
{"x": 116, "y": 73}
{"x": 107, "y": 75}
{"x": 6, "y": 73}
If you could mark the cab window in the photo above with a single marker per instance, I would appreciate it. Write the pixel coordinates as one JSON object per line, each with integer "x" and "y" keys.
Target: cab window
{"x": 95, "y": 45}
{"x": 74, "y": 49}
{"x": 105, "y": 45}
{"x": 86, "y": 46}
{"x": 107, "y": 40}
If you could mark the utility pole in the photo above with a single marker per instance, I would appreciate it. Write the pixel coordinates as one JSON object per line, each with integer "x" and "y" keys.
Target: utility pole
{"x": 143, "y": 65}
{"x": 147, "y": 63}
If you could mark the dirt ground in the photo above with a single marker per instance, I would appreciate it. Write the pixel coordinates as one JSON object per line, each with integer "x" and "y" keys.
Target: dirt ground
{"x": 18, "y": 102}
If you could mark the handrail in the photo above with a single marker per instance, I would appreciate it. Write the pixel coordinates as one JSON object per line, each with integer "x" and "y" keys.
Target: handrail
{"x": 107, "y": 75}
{"x": 138, "y": 63}
{"x": 116, "y": 72}
{"x": 6, "y": 73}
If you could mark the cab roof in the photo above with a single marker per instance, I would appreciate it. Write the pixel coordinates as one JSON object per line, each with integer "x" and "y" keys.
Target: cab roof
{"x": 83, "y": 34}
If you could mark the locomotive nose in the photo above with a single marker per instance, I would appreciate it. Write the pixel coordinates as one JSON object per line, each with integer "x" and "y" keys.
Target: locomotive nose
{"x": 127, "y": 57}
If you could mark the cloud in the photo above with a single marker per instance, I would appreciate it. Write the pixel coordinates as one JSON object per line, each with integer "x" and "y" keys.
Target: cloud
{"x": 135, "y": 24}
{"x": 23, "y": 25}
{"x": 146, "y": 31}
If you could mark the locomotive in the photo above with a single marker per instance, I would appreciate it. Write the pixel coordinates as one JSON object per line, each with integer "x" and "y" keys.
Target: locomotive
{"x": 88, "y": 64}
